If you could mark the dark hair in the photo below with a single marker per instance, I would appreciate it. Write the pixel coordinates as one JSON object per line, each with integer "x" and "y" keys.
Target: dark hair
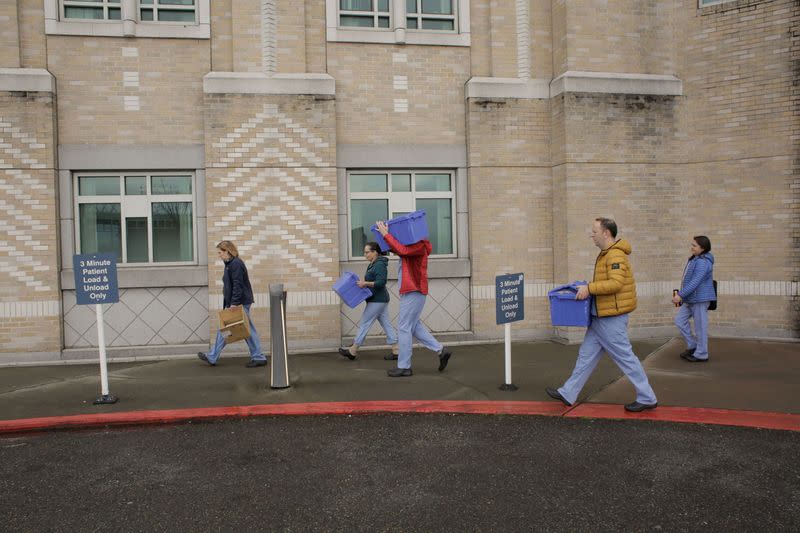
{"x": 704, "y": 242}
{"x": 608, "y": 224}
{"x": 373, "y": 246}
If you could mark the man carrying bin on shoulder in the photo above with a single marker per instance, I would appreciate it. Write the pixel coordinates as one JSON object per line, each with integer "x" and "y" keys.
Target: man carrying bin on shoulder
{"x": 614, "y": 291}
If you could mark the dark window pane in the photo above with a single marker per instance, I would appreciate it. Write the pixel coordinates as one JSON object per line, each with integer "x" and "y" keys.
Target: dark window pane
{"x": 437, "y": 7}
{"x": 368, "y": 183}
{"x": 433, "y": 182}
{"x": 98, "y": 186}
{"x": 136, "y": 239}
{"x": 383, "y": 22}
{"x": 363, "y": 214}
{"x": 114, "y": 14}
{"x": 172, "y": 231}
{"x": 171, "y": 185}
{"x": 411, "y": 24}
{"x": 356, "y": 21}
{"x": 439, "y": 216}
{"x": 411, "y": 6}
{"x": 355, "y": 5}
{"x": 95, "y": 13}
{"x": 401, "y": 182}
{"x": 175, "y": 16}
{"x": 383, "y": 6}
{"x": 135, "y": 185}
{"x": 147, "y": 14}
{"x": 176, "y": 2}
{"x": 101, "y": 229}
{"x": 433, "y": 24}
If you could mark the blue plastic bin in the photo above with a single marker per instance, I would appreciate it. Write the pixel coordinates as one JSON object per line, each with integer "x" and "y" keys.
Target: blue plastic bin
{"x": 349, "y": 292}
{"x": 407, "y": 229}
{"x": 565, "y": 310}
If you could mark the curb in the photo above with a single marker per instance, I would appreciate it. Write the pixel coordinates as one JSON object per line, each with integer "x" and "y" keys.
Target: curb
{"x": 752, "y": 419}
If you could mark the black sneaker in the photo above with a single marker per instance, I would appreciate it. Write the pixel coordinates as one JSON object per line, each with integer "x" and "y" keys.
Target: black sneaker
{"x": 693, "y": 359}
{"x": 554, "y": 394}
{"x": 204, "y": 357}
{"x": 686, "y": 354}
{"x": 399, "y": 372}
{"x": 444, "y": 358}
{"x": 390, "y": 357}
{"x": 253, "y": 363}
{"x": 345, "y": 352}
{"x": 636, "y": 407}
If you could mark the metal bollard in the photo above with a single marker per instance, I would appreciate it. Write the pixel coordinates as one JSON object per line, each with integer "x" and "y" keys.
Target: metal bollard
{"x": 277, "y": 319}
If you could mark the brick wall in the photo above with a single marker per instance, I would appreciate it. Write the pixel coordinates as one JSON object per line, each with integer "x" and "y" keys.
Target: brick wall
{"x": 271, "y": 188}
{"x": 29, "y": 295}
{"x": 122, "y": 91}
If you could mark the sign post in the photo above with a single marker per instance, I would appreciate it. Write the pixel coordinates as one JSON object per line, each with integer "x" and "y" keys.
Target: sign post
{"x": 96, "y": 283}
{"x": 509, "y": 293}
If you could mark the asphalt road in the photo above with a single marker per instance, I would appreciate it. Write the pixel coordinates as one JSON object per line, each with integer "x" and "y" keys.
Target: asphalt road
{"x": 403, "y": 473}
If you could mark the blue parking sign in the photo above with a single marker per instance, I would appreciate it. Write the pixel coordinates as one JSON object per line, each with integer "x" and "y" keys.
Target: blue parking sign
{"x": 96, "y": 278}
{"x": 510, "y": 298}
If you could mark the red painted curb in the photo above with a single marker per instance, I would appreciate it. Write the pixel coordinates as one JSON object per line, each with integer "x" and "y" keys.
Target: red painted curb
{"x": 757, "y": 419}
{"x": 692, "y": 415}
{"x": 169, "y": 416}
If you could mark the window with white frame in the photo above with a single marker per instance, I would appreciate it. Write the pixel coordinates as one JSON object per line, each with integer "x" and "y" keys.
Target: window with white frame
{"x": 381, "y": 195}
{"x": 143, "y": 218}
{"x": 182, "y": 11}
{"x": 364, "y": 13}
{"x": 167, "y": 11}
{"x": 430, "y": 15}
{"x": 706, "y": 3}
{"x": 418, "y": 22}
{"x": 91, "y": 9}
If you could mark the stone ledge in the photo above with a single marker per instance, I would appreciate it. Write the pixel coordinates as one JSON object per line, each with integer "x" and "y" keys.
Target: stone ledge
{"x": 27, "y": 80}
{"x": 574, "y": 81}
{"x": 260, "y": 83}
{"x": 478, "y": 87}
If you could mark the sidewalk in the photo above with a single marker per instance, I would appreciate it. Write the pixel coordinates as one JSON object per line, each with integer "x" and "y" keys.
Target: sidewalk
{"x": 742, "y": 375}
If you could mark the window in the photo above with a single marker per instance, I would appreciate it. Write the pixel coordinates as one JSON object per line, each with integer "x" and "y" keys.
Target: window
{"x": 142, "y": 218}
{"x": 169, "y": 19}
{"x": 167, "y": 11}
{"x": 364, "y": 13}
{"x": 706, "y": 3}
{"x": 425, "y": 22}
{"x": 430, "y": 15}
{"x": 92, "y": 9}
{"x": 380, "y": 195}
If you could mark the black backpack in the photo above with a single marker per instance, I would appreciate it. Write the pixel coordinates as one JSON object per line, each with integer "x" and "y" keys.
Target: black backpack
{"x": 712, "y": 305}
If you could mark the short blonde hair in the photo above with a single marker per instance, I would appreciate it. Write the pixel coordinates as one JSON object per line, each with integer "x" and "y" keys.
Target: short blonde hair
{"x": 228, "y": 246}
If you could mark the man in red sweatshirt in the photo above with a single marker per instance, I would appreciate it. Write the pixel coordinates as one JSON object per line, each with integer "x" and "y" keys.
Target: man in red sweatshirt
{"x": 413, "y": 280}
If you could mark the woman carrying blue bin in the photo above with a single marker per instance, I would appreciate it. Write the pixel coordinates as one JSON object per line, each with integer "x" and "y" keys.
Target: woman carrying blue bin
{"x": 694, "y": 296}
{"x": 377, "y": 305}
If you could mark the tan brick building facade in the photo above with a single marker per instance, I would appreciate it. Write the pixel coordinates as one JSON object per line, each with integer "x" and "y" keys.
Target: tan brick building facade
{"x": 156, "y": 131}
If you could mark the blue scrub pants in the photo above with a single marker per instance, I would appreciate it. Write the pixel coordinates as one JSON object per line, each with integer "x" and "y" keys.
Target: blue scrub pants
{"x": 699, "y": 340}
{"x": 610, "y": 334}
{"x": 375, "y": 311}
{"x": 253, "y": 343}
{"x": 410, "y": 327}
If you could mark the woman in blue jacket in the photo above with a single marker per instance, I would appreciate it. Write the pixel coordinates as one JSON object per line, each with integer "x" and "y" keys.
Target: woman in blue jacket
{"x": 697, "y": 290}
{"x": 377, "y": 305}
{"x": 236, "y": 291}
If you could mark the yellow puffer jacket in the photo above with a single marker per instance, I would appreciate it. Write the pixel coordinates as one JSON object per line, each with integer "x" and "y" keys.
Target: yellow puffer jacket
{"x": 613, "y": 286}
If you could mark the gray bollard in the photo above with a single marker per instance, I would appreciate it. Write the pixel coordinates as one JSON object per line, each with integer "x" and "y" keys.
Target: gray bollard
{"x": 277, "y": 320}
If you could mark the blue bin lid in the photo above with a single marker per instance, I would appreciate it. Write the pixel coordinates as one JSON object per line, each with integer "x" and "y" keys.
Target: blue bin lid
{"x": 566, "y": 292}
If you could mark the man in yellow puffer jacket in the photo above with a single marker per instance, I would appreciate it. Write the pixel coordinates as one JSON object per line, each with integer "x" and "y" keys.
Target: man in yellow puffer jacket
{"x": 614, "y": 292}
